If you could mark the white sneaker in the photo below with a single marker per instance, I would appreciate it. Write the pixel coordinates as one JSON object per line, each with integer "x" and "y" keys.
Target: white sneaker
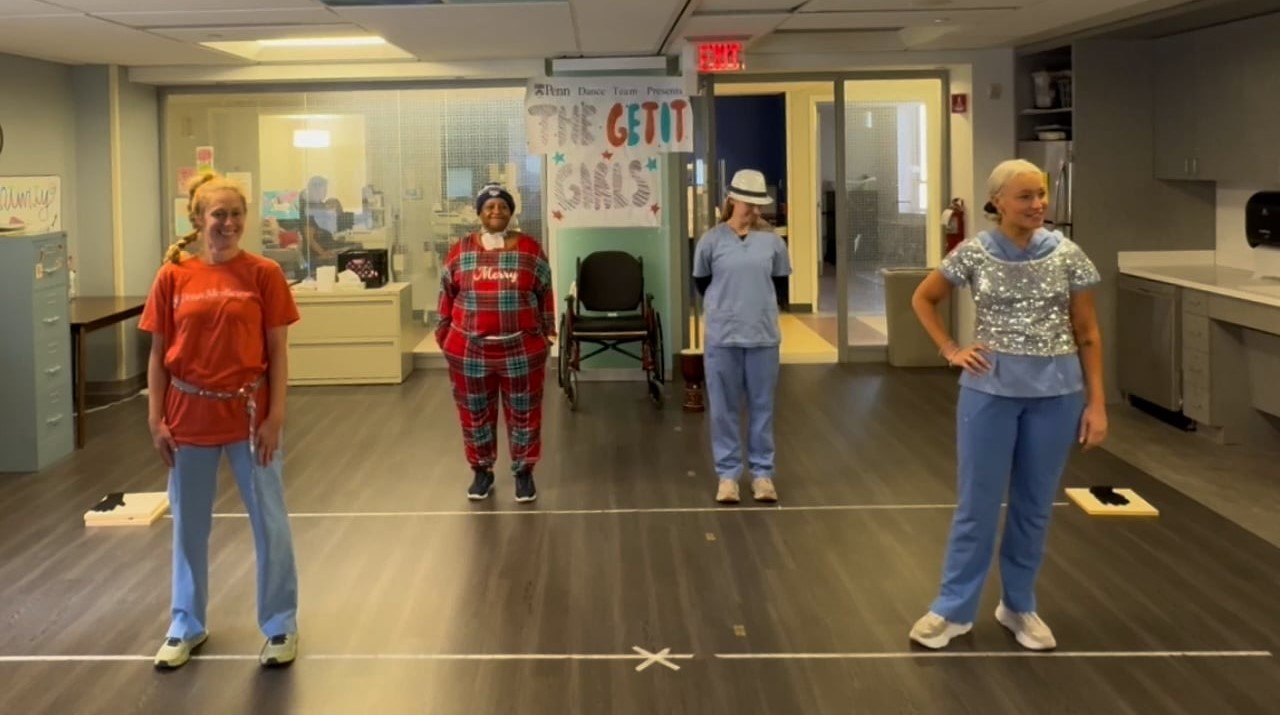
{"x": 763, "y": 491}
{"x": 175, "y": 652}
{"x": 935, "y": 632}
{"x": 279, "y": 650}
{"x": 1028, "y": 629}
{"x": 728, "y": 491}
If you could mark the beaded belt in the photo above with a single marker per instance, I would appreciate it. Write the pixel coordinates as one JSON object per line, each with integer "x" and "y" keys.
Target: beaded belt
{"x": 248, "y": 393}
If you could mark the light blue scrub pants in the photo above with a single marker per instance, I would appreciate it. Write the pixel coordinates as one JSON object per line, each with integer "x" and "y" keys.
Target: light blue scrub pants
{"x": 193, "y": 484}
{"x": 1018, "y": 445}
{"x": 730, "y": 371}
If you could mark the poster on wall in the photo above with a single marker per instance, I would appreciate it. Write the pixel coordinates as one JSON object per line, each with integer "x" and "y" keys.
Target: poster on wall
{"x": 204, "y": 159}
{"x": 185, "y": 176}
{"x": 31, "y": 204}
{"x": 603, "y": 138}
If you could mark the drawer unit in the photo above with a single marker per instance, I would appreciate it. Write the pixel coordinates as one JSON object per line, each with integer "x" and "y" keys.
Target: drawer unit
{"x": 352, "y": 337}
{"x": 37, "y": 419}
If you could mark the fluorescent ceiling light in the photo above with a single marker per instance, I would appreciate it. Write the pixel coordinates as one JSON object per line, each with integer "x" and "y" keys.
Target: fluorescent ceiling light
{"x": 311, "y": 138}
{"x": 363, "y": 41}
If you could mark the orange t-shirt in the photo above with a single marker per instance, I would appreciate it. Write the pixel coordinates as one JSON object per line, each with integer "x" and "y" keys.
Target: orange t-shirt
{"x": 214, "y": 320}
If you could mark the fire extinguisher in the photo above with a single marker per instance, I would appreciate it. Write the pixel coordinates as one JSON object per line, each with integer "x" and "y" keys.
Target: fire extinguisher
{"x": 953, "y": 223}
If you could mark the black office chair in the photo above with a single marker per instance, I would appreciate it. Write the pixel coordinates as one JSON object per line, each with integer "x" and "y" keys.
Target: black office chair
{"x": 610, "y": 309}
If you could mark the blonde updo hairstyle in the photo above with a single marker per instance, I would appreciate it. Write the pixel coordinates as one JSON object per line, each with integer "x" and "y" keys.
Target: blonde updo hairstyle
{"x": 198, "y": 192}
{"x": 1000, "y": 176}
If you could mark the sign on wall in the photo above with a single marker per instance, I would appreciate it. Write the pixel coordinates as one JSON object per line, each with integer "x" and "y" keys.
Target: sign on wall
{"x": 602, "y": 138}
{"x": 31, "y": 204}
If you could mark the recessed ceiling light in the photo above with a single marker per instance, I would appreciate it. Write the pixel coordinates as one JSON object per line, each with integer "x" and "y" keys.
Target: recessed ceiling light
{"x": 362, "y": 41}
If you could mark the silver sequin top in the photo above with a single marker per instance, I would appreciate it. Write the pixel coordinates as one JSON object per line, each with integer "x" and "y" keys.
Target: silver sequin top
{"x": 1023, "y": 308}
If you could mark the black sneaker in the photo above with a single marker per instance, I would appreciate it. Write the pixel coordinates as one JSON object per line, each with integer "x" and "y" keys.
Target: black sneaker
{"x": 482, "y": 485}
{"x": 526, "y": 491}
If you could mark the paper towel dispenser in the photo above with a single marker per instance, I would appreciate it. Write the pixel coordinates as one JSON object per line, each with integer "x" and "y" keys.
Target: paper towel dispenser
{"x": 1262, "y": 219}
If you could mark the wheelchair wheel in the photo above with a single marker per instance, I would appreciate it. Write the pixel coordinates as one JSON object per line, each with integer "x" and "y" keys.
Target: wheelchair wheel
{"x": 566, "y": 375}
{"x": 571, "y": 388}
{"x": 562, "y": 348}
{"x": 658, "y": 364}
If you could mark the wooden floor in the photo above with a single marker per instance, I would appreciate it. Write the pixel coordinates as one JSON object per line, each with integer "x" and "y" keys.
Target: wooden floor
{"x": 414, "y": 600}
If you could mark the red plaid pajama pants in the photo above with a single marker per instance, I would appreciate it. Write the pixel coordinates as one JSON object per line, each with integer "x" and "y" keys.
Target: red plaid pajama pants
{"x": 481, "y": 370}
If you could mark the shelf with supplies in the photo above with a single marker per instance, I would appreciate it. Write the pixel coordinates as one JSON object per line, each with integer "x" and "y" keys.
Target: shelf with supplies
{"x": 352, "y": 336}
{"x": 1044, "y": 91}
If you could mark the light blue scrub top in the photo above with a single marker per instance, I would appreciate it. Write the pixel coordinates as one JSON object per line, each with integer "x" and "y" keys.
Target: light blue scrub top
{"x": 740, "y": 307}
{"x": 1023, "y": 375}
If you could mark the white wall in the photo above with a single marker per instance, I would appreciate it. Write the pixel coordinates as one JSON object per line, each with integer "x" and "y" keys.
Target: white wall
{"x": 40, "y": 130}
{"x": 980, "y": 140}
{"x": 1231, "y": 247}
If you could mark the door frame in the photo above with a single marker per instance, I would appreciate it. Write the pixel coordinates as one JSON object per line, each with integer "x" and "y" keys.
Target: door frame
{"x": 707, "y": 86}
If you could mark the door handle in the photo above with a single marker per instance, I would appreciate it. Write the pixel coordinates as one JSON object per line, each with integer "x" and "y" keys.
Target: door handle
{"x": 52, "y": 320}
{"x": 54, "y": 370}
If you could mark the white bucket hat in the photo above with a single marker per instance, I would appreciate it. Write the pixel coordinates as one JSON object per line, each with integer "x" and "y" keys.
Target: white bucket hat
{"x": 748, "y": 187}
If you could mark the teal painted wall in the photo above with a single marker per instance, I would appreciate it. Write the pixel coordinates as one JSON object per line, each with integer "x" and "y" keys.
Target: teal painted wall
{"x": 653, "y": 245}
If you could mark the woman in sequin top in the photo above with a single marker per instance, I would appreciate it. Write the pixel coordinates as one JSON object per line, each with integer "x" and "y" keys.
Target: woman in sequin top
{"x": 1031, "y": 386}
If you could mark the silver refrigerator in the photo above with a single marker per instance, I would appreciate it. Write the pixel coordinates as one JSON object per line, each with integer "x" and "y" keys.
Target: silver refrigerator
{"x": 1055, "y": 157}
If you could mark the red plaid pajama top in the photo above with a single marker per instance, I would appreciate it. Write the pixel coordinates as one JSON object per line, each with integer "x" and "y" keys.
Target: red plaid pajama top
{"x": 488, "y": 293}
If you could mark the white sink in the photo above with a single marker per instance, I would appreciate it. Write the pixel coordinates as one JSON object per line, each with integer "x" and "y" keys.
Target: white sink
{"x": 1272, "y": 289}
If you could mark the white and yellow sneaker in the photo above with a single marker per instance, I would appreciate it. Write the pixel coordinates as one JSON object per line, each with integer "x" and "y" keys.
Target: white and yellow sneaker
{"x": 175, "y": 652}
{"x": 279, "y": 650}
{"x": 1028, "y": 629}
{"x": 727, "y": 492}
{"x": 935, "y": 632}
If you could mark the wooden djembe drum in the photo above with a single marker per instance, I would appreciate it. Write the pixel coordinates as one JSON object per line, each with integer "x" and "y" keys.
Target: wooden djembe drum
{"x": 692, "y": 373}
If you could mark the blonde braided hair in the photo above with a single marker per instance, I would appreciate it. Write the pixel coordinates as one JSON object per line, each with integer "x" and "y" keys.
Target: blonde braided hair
{"x": 197, "y": 191}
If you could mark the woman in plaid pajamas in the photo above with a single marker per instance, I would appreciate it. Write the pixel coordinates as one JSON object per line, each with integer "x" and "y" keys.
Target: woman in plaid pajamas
{"x": 497, "y": 320}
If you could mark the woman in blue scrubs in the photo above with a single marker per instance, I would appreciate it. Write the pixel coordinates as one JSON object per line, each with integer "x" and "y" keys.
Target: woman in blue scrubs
{"x": 738, "y": 266}
{"x": 1030, "y": 387}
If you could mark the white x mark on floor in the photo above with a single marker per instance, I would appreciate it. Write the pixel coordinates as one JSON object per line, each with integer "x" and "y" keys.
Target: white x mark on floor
{"x": 659, "y": 657}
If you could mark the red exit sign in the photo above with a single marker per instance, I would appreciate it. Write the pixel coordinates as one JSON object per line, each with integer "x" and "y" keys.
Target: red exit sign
{"x": 720, "y": 56}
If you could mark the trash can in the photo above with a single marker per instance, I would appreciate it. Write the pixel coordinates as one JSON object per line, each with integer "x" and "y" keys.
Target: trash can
{"x": 909, "y": 344}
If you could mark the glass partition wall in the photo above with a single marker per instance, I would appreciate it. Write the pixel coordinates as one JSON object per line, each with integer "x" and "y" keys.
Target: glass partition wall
{"x": 390, "y": 171}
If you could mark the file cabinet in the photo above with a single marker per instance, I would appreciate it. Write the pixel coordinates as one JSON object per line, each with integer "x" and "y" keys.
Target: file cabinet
{"x": 37, "y": 421}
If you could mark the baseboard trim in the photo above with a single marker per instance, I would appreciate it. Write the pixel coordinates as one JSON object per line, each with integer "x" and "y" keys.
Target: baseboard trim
{"x": 111, "y": 390}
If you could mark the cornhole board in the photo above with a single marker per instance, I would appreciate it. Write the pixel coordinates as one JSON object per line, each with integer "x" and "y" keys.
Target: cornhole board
{"x": 118, "y": 509}
{"x": 1137, "y": 507}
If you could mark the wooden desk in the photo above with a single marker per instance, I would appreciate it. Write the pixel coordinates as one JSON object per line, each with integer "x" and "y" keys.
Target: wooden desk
{"x": 89, "y": 314}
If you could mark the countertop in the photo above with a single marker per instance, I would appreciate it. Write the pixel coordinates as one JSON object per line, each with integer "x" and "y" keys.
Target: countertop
{"x": 1210, "y": 278}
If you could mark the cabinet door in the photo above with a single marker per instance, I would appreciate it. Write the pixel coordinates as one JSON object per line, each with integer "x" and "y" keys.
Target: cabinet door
{"x": 1236, "y": 136}
{"x": 1177, "y": 74}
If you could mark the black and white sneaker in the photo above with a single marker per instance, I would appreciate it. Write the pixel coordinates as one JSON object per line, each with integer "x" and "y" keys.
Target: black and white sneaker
{"x": 482, "y": 485}
{"x": 526, "y": 491}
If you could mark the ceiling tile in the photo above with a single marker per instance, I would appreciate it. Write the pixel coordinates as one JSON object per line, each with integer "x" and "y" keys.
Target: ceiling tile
{"x": 906, "y": 5}
{"x": 891, "y": 20}
{"x": 82, "y": 39}
{"x": 623, "y": 26}
{"x": 236, "y": 33}
{"x": 742, "y": 6}
{"x": 209, "y": 18}
{"x": 723, "y": 26}
{"x": 95, "y": 7}
{"x": 9, "y": 8}
{"x": 472, "y": 32}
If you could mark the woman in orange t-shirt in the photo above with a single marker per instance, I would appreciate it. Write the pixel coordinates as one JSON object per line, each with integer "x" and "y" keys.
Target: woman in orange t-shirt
{"x": 217, "y": 378}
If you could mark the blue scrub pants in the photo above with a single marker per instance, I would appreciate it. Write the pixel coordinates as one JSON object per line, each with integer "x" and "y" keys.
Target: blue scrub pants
{"x": 193, "y": 484}
{"x": 730, "y": 371}
{"x": 1018, "y": 445}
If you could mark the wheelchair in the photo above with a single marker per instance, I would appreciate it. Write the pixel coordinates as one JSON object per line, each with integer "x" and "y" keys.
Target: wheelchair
{"x": 609, "y": 309}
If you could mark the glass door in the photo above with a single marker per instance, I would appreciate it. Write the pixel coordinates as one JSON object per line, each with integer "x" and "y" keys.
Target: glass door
{"x": 892, "y": 185}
